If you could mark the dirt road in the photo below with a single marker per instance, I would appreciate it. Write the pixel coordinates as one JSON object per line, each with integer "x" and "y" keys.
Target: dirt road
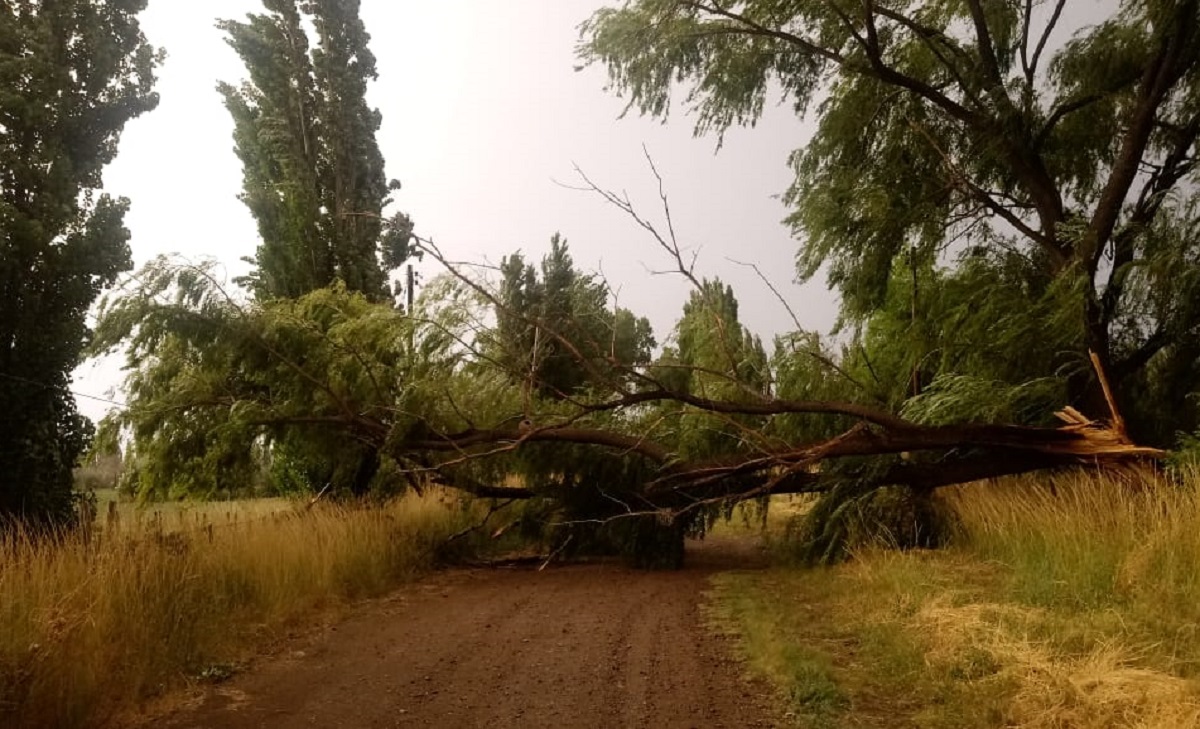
{"x": 592, "y": 645}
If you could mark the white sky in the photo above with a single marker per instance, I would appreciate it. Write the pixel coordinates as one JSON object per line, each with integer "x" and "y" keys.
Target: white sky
{"x": 482, "y": 111}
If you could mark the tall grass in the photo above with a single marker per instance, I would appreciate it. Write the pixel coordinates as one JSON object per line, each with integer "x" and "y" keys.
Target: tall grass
{"x": 1092, "y": 542}
{"x": 1105, "y": 570}
{"x": 90, "y": 625}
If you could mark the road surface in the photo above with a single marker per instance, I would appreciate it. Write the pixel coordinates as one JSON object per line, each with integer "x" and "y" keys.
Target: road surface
{"x": 586, "y": 645}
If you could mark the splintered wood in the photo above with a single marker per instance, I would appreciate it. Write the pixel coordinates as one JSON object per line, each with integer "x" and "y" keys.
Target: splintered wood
{"x": 1095, "y": 438}
{"x": 1100, "y": 439}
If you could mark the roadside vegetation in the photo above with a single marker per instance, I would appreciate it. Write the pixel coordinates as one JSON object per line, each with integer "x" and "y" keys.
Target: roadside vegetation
{"x": 94, "y": 623}
{"x": 1068, "y": 601}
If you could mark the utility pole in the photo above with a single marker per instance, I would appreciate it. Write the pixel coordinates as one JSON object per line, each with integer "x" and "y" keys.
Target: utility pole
{"x": 410, "y": 295}
{"x": 409, "y": 288}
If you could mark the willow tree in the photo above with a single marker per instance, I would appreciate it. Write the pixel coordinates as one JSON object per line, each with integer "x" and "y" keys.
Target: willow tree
{"x": 313, "y": 173}
{"x": 72, "y": 73}
{"x": 965, "y": 129}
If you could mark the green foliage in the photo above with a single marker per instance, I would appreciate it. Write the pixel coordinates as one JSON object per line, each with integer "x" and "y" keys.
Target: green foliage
{"x": 649, "y": 45}
{"x": 598, "y": 497}
{"x": 650, "y": 542}
{"x": 957, "y": 398}
{"x": 557, "y": 332}
{"x": 956, "y": 157}
{"x": 857, "y": 514}
{"x": 966, "y": 344}
{"x": 713, "y": 356}
{"x": 219, "y": 386}
{"x": 314, "y": 176}
{"x": 805, "y": 368}
{"x": 1165, "y": 288}
{"x": 211, "y": 377}
{"x": 593, "y": 506}
{"x": 1185, "y": 459}
{"x": 314, "y": 182}
{"x": 992, "y": 317}
{"x": 72, "y": 73}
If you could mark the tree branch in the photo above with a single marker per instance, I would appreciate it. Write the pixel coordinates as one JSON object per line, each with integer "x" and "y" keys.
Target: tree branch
{"x": 1164, "y": 70}
{"x": 1031, "y": 70}
{"x": 877, "y": 67}
{"x": 987, "y": 51}
{"x": 1173, "y": 169}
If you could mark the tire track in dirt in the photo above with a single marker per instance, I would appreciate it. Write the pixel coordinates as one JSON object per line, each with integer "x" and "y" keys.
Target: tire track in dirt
{"x": 593, "y": 645}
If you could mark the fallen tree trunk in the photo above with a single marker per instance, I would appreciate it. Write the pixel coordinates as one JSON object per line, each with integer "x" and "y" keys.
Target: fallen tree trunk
{"x": 991, "y": 451}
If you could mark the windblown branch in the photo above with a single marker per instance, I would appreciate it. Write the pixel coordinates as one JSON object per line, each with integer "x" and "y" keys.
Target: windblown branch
{"x": 1170, "y": 61}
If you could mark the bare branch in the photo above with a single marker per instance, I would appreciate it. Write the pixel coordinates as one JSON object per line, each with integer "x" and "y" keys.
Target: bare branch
{"x": 1031, "y": 69}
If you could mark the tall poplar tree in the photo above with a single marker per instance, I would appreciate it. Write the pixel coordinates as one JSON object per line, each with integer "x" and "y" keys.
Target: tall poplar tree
{"x": 314, "y": 177}
{"x": 313, "y": 173}
{"x": 72, "y": 73}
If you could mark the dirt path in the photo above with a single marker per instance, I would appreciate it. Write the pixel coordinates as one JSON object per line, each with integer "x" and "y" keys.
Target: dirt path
{"x": 578, "y": 646}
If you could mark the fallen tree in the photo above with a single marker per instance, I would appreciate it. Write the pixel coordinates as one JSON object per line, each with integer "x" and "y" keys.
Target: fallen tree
{"x": 214, "y": 382}
{"x": 531, "y": 389}
{"x": 996, "y": 450}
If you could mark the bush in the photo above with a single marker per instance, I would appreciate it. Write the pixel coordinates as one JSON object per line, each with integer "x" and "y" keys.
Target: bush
{"x": 854, "y": 515}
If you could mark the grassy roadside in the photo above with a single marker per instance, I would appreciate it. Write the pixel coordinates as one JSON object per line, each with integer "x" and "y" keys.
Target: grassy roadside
{"x": 91, "y": 627}
{"x": 1072, "y": 603}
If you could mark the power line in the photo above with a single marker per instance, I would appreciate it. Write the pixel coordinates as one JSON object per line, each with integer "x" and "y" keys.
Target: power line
{"x": 48, "y": 386}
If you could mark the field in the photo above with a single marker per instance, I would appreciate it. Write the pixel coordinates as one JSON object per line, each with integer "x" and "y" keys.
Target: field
{"x": 157, "y": 599}
{"x": 185, "y": 515}
{"x": 1068, "y": 602}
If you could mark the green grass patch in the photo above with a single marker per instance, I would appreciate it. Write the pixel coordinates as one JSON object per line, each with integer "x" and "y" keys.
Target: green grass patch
{"x": 853, "y": 621}
{"x": 778, "y": 648}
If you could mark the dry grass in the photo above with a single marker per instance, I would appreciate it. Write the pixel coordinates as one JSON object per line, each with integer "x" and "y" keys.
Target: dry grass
{"x": 1071, "y": 601}
{"x": 174, "y": 513}
{"x": 92, "y": 626}
{"x": 1110, "y": 570}
{"x": 1088, "y": 541}
{"x": 1099, "y": 687}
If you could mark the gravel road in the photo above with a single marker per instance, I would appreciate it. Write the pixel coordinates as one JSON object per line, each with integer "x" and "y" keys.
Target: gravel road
{"x": 591, "y": 645}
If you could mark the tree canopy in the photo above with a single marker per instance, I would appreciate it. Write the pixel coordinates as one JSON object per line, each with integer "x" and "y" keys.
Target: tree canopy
{"x": 72, "y": 73}
{"x": 314, "y": 181}
{"x": 956, "y": 135}
{"x": 314, "y": 178}
{"x": 558, "y": 329}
